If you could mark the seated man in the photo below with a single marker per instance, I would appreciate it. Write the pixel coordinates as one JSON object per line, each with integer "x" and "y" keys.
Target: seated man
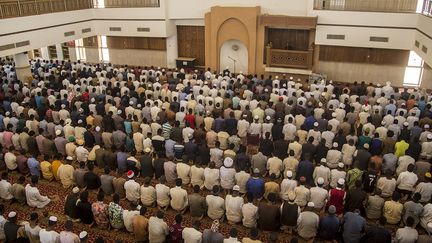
{"x": 34, "y": 198}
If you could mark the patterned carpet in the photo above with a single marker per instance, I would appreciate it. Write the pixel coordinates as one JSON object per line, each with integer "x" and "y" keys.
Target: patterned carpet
{"x": 56, "y": 207}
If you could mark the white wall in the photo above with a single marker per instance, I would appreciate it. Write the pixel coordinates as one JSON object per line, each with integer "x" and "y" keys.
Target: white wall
{"x": 195, "y": 9}
{"x": 358, "y": 27}
{"x": 241, "y": 56}
{"x": 425, "y": 25}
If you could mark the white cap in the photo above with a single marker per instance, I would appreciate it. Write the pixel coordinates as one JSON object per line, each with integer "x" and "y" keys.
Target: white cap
{"x": 320, "y": 181}
{"x": 323, "y": 160}
{"x": 7, "y": 113}
{"x": 256, "y": 117}
{"x": 12, "y": 214}
{"x": 289, "y": 173}
{"x": 426, "y": 126}
{"x": 92, "y": 100}
{"x": 119, "y": 112}
{"x": 58, "y": 132}
{"x": 311, "y": 204}
{"x": 131, "y": 102}
{"x": 291, "y": 78}
{"x": 341, "y": 181}
{"x": 69, "y": 158}
{"x": 335, "y": 145}
{"x": 342, "y": 106}
{"x": 147, "y": 150}
{"x": 97, "y": 128}
{"x": 341, "y": 165}
{"x": 429, "y": 136}
{"x": 228, "y": 162}
{"x": 236, "y": 188}
{"x": 265, "y": 90}
{"x": 334, "y": 114}
{"x": 139, "y": 106}
{"x": 320, "y": 104}
{"x": 316, "y": 124}
{"x": 244, "y": 116}
{"x": 83, "y": 234}
{"x": 268, "y": 118}
{"x": 75, "y": 190}
{"x": 256, "y": 171}
{"x": 53, "y": 219}
{"x": 63, "y": 106}
{"x": 383, "y": 123}
{"x": 366, "y": 146}
{"x": 80, "y": 121}
{"x": 80, "y": 110}
{"x": 405, "y": 124}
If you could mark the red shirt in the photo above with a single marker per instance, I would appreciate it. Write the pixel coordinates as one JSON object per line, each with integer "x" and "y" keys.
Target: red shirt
{"x": 176, "y": 233}
{"x": 190, "y": 120}
{"x": 337, "y": 199}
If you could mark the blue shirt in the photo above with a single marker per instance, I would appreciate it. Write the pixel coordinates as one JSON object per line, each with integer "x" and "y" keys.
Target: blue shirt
{"x": 33, "y": 166}
{"x": 128, "y": 127}
{"x": 256, "y": 187}
{"x": 329, "y": 227}
{"x": 121, "y": 160}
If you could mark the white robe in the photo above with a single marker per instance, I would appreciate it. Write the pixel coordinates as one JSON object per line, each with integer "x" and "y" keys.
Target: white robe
{"x": 34, "y": 198}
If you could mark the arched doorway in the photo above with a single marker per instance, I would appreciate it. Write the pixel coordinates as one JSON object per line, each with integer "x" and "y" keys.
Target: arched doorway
{"x": 234, "y": 51}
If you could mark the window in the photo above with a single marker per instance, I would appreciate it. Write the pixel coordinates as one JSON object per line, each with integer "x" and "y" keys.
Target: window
{"x": 80, "y": 50}
{"x": 103, "y": 50}
{"x": 414, "y": 70}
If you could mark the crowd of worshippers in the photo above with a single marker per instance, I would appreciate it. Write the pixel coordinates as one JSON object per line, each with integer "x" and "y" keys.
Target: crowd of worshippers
{"x": 309, "y": 158}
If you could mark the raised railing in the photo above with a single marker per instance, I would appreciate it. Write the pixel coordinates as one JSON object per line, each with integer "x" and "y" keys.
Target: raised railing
{"x": 427, "y": 7}
{"x": 128, "y": 3}
{"x": 289, "y": 59}
{"x": 367, "y": 5}
{"x": 20, "y": 8}
{"x": 10, "y": 9}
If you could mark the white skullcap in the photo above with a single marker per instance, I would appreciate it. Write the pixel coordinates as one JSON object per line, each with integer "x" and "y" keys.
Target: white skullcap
{"x": 291, "y": 78}
{"x": 320, "y": 181}
{"x": 342, "y": 106}
{"x": 119, "y": 112}
{"x": 331, "y": 81}
{"x": 236, "y": 188}
{"x": 131, "y": 102}
{"x": 334, "y": 114}
{"x": 53, "y": 219}
{"x": 244, "y": 116}
{"x": 341, "y": 165}
{"x": 63, "y": 106}
{"x": 7, "y": 113}
{"x": 268, "y": 118}
{"x": 378, "y": 85}
{"x": 311, "y": 204}
{"x": 97, "y": 128}
{"x": 320, "y": 104}
{"x": 147, "y": 150}
{"x": 383, "y": 123}
{"x": 139, "y": 106}
{"x": 341, "y": 181}
{"x": 69, "y": 158}
{"x": 75, "y": 190}
{"x": 92, "y": 100}
{"x": 83, "y": 234}
{"x": 335, "y": 145}
{"x": 228, "y": 162}
{"x": 266, "y": 90}
{"x": 256, "y": 117}
{"x": 426, "y": 126}
{"x": 80, "y": 121}
{"x": 323, "y": 160}
{"x": 80, "y": 110}
{"x": 316, "y": 124}
{"x": 12, "y": 214}
{"x": 405, "y": 124}
{"x": 366, "y": 146}
{"x": 289, "y": 173}
{"x": 429, "y": 136}
{"x": 333, "y": 96}
{"x": 58, "y": 132}
{"x": 256, "y": 171}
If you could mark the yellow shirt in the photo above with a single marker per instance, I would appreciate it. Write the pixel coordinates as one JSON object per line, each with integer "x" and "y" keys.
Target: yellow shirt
{"x": 400, "y": 148}
{"x": 392, "y": 211}
{"x": 46, "y": 170}
{"x": 54, "y": 166}
{"x": 271, "y": 187}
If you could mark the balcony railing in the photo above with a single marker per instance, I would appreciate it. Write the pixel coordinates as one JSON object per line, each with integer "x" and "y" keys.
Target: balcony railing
{"x": 367, "y": 5}
{"x": 427, "y": 7}
{"x": 289, "y": 59}
{"x": 128, "y": 3}
{"x": 20, "y": 8}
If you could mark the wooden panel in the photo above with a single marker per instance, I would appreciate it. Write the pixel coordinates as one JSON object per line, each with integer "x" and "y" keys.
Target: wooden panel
{"x": 191, "y": 43}
{"x": 297, "y": 40}
{"x": 91, "y": 41}
{"x": 143, "y": 43}
{"x": 289, "y": 21}
{"x": 363, "y": 55}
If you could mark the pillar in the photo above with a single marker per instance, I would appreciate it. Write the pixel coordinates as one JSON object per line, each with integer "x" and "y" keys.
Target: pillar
{"x": 59, "y": 51}
{"x": 22, "y": 67}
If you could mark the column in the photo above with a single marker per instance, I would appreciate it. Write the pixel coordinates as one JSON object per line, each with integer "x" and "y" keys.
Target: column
{"x": 22, "y": 67}
{"x": 59, "y": 51}
{"x": 44, "y": 53}
{"x": 171, "y": 45}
